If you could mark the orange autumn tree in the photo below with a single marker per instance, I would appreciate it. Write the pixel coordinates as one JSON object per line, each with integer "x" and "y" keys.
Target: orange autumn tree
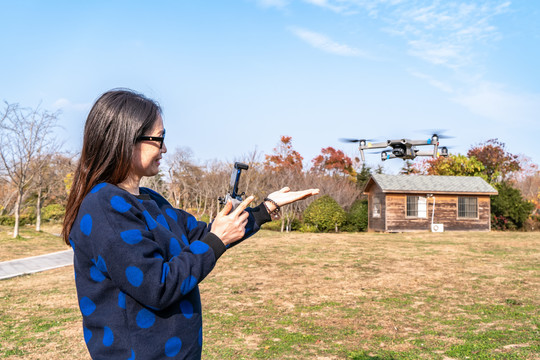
{"x": 333, "y": 162}
{"x": 286, "y": 164}
{"x": 284, "y": 158}
{"x": 499, "y": 164}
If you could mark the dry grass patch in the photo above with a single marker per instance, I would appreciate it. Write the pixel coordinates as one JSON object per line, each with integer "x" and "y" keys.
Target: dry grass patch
{"x": 394, "y": 295}
{"x": 328, "y": 296}
{"x": 30, "y": 242}
{"x": 39, "y": 317}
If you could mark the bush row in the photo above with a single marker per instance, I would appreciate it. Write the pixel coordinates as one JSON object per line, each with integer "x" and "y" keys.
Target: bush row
{"x": 50, "y": 213}
{"x": 322, "y": 215}
{"x": 325, "y": 215}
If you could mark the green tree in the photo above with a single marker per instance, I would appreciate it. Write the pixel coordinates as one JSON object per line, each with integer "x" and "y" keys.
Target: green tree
{"x": 325, "y": 213}
{"x": 453, "y": 165}
{"x": 509, "y": 209}
{"x": 363, "y": 176}
{"x": 408, "y": 168}
{"x": 357, "y": 217}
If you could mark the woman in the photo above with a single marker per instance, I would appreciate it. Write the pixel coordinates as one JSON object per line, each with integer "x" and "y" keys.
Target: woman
{"x": 138, "y": 261}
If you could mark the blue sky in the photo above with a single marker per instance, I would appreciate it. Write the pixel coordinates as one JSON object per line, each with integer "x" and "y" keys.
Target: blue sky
{"x": 233, "y": 76}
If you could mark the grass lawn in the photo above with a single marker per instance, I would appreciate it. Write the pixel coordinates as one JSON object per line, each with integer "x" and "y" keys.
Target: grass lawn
{"x": 326, "y": 296}
{"x": 29, "y": 242}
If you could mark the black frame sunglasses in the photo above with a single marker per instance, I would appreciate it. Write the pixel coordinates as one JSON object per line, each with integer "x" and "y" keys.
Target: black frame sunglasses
{"x": 161, "y": 139}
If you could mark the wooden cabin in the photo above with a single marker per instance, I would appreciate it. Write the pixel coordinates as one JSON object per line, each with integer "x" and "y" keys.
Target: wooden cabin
{"x": 399, "y": 203}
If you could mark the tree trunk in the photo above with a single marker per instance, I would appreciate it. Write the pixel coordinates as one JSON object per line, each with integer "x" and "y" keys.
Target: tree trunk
{"x": 198, "y": 200}
{"x": 38, "y": 210}
{"x": 282, "y": 224}
{"x": 17, "y": 213}
{"x": 211, "y": 211}
{"x": 185, "y": 204}
{"x": 176, "y": 200}
{"x": 205, "y": 204}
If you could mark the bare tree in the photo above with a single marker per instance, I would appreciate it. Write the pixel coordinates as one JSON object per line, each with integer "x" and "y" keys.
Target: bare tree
{"x": 156, "y": 183}
{"x": 7, "y": 195}
{"x": 183, "y": 175}
{"x": 49, "y": 180}
{"x": 24, "y": 141}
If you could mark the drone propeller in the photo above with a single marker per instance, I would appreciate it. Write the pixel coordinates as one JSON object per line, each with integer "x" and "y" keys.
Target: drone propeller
{"x": 355, "y": 140}
{"x": 439, "y": 132}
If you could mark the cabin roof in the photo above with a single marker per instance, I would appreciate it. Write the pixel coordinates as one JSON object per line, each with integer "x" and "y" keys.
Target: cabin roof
{"x": 430, "y": 184}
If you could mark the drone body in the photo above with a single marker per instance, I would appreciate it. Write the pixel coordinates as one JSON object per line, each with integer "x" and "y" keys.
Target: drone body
{"x": 405, "y": 149}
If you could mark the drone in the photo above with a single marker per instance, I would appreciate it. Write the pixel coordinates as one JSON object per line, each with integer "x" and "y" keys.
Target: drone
{"x": 405, "y": 149}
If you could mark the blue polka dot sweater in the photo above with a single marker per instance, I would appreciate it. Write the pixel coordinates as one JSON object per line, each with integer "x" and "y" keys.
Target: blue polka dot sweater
{"x": 138, "y": 262}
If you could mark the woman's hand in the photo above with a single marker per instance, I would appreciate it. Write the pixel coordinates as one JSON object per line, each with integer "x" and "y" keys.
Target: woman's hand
{"x": 286, "y": 196}
{"x": 231, "y": 227}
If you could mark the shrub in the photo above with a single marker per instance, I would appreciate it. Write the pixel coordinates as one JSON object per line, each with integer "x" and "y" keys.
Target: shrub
{"x": 357, "y": 217}
{"x": 532, "y": 223}
{"x": 509, "y": 209}
{"x": 53, "y": 212}
{"x": 307, "y": 228}
{"x": 325, "y": 213}
{"x": 275, "y": 225}
{"x": 7, "y": 220}
{"x": 205, "y": 218}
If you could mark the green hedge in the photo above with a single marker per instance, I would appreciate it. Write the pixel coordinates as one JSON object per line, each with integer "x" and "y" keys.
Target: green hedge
{"x": 53, "y": 212}
{"x": 357, "y": 217}
{"x": 325, "y": 214}
{"x": 8, "y": 220}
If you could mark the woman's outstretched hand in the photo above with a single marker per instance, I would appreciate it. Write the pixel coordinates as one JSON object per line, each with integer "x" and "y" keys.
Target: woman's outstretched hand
{"x": 286, "y": 196}
{"x": 231, "y": 227}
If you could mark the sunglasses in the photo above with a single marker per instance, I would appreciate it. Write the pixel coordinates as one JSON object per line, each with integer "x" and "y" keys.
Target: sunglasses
{"x": 160, "y": 139}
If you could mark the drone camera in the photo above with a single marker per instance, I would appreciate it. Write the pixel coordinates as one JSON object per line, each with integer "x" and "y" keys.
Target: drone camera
{"x": 398, "y": 152}
{"x": 443, "y": 151}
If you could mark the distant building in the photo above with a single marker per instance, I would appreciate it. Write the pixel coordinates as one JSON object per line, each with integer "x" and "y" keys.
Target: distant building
{"x": 399, "y": 203}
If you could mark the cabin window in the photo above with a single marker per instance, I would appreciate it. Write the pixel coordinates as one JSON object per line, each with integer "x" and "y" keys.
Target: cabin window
{"x": 467, "y": 207}
{"x": 416, "y": 206}
{"x": 376, "y": 207}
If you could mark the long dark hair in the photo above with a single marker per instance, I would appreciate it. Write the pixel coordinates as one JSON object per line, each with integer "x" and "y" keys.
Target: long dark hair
{"x": 115, "y": 121}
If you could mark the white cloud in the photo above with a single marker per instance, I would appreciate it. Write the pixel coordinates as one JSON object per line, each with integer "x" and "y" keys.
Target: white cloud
{"x": 66, "y": 105}
{"x": 433, "y": 82}
{"x": 273, "y": 3}
{"x": 494, "y": 102}
{"x": 446, "y": 33}
{"x": 338, "y": 8}
{"x": 448, "y": 54}
{"x": 324, "y": 43}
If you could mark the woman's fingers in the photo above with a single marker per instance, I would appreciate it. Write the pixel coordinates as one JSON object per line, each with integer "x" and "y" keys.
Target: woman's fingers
{"x": 284, "y": 197}
{"x": 226, "y": 209}
{"x": 309, "y": 192}
{"x": 243, "y": 217}
{"x": 242, "y": 206}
